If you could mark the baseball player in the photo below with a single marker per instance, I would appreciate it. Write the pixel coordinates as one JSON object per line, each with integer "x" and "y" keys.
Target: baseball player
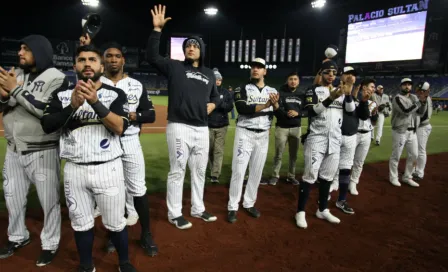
{"x": 423, "y": 131}
{"x": 92, "y": 117}
{"x": 31, "y": 154}
{"x": 350, "y": 128}
{"x": 192, "y": 96}
{"x": 288, "y": 128}
{"x": 406, "y": 108}
{"x": 322, "y": 141}
{"x": 141, "y": 111}
{"x": 384, "y": 109}
{"x": 363, "y": 138}
{"x": 255, "y": 103}
{"x": 218, "y": 122}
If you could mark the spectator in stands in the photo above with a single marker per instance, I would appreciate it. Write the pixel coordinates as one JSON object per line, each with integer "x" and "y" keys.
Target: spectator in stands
{"x": 230, "y": 89}
{"x": 218, "y": 122}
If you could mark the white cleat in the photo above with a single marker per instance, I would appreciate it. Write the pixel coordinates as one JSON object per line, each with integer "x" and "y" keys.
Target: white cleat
{"x": 300, "y": 220}
{"x": 131, "y": 220}
{"x": 327, "y": 216}
{"x": 412, "y": 183}
{"x": 352, "y": 188}
{"x": 395, "y": 183}
{"x": 96, "y": 212}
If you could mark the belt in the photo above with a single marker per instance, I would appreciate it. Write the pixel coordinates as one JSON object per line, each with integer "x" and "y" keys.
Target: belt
{"x": 256, "y": 130}
{"x": 91, "y": 163}
{"x": 411, "y": 129}
{"x": 364, "y": 131}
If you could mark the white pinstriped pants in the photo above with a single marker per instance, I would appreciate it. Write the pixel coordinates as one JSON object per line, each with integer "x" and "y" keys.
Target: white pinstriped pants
{"x": 41, "y": 168}
{"x": 186, "y": 144}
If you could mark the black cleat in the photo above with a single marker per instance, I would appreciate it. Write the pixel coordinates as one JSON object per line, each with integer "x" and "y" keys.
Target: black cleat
{"x": 86, "y": 269}
{"x": 46, "y": 257}
{"x": 214, "y": 180}
{"x": 148, "y": 245}
{"x": 126, "y": 267}
{"x": 343, "y": 206}
{"x": 11, "y": 247}
{"x": 110, "y": 248}
{"x": 253, "y": 212}
{"x": 231, "y": 216}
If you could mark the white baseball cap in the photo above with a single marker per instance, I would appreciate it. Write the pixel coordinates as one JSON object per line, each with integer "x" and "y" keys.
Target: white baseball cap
{"x": 406, "y": 80}
{"x": 258, "y": 61}
{"x": 423, "y": 86}
{"x": 349, "y": 70}
{"x": 380, "y": 87}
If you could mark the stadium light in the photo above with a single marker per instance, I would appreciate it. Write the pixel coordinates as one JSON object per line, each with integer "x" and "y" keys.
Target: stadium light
{"x": 92, "y": 3}
{"x": 241, "y": 66}
{"x": 274, "y": 66}
{"x": 211, "y": 11}
{"x": 318, "y": 3}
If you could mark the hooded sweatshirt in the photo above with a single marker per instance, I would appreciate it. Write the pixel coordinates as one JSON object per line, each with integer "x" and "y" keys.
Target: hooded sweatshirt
{"x": 189, "y": 88}
{"x": 289, "y": 100}
{"x": 24, "y": 108}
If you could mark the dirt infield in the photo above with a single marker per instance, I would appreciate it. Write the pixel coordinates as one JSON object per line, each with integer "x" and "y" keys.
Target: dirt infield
{"x": 157, "y": 127}
{"x": 394, "y": 229}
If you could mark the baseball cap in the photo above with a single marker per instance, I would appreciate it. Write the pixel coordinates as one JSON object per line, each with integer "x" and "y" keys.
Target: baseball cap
{"x": 349, "y": 70}
{"x": 423, "y": 86}
{"x": 258, "y": 61}
{"x": 329, "y": 65}
{"x": 406, "y": 80}
{"x": 380, "y": 87}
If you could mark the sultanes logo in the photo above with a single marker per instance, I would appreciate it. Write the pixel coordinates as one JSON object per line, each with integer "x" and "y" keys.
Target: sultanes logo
{"x": 197, "y": 75}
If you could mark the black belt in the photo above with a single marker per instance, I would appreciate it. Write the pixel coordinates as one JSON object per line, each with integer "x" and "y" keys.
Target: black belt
{"x": 364, "y": 131}
{"x": 91, "y": 163}
{"x": 411, "y": 129}
{"x": 256, "y": 130}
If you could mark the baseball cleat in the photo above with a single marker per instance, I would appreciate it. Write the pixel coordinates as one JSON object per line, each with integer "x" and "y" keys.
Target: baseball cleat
{"x": 46, "y": 257}
{"x": 205, "y": 216}
{"x": 352, "y": 188}
{"x": 147, "y": 243}
{"x": 214, "y": 180}
{"x": 300, "y": 220}
{"x": 132, "y": 220}
{"x": 395, "y": 183}
{"x": 253, "y": 212}
{"x": 109, "y": 248}
{"x": 411, "y": 183}
{"x": 326, "y": 215}
{"x": 11, "y": 247}
{"x": 231, "y": 216}
{"x": 343, "y": 206}
{"x": 86, "y": 269}
{"x": 126, "y": 267}
{"x": 416, "y": 178}
{"x": 180, "y": 222}
{"x": 264, "y": 182}
{"x": 273, "y": 181}
{"x": 293, "y": 181}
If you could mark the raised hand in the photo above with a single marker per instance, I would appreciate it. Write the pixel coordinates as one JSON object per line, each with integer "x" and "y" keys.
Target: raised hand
{"x": 85, "y": 40}
{"x": 158, "y": 17}
{"x": 88, "y": 91}
{"x": 346, "y": 87}
{"x": 366, "y": 95}
{"x": 77, "y": 97}
{"x": 336, "y": 93}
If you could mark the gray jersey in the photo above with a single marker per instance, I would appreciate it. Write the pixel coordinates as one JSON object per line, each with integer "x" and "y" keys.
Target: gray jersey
{"x": 23, "y": 111}
{"x": 84, "y": 138}
{"x": 382, "y": 100}
{"x": 249, "y": 95}
{"x": 406, "y": 112}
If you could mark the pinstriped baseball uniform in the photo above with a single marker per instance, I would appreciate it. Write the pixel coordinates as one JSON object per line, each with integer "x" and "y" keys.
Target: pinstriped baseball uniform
{"x": 380, "y": 100}
{"x": 423, "y": 132}
{"x": 93, "y": 169}
{"x": 133, "y": 159}
{"x": 251, "y": 143}
{"x": 362, "y": 143}
{"x": 32, "y": 156}
{"x": 324, "y": 137}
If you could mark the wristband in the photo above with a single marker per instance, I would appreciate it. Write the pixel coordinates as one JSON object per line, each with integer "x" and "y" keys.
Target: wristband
{"x": 100, "y": 109}
{"x": 327, "y": 102}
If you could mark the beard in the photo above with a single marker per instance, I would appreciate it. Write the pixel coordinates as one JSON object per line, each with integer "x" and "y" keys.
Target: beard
{"x": 96, "y": 76}
{"x": 26, "y": 67}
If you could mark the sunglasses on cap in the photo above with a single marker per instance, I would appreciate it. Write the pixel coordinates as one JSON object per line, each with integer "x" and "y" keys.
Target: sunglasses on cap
{"x": 328, "y": 71}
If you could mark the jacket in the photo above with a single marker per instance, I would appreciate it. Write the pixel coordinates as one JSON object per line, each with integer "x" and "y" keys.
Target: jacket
{"x": 24, "y": 109}
{"x": 220, "y": 116}
{"x": 383, "y": 102}
{"x": 427, "y": 113}
{"x": 350, "y": 120}
{"x": 189, "y": 88}
{"x": 406, "y": 112}
{"x": 289, "y": 100}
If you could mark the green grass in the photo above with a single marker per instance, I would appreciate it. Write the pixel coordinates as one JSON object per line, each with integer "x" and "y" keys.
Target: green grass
{"x": 157, "y": 163}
